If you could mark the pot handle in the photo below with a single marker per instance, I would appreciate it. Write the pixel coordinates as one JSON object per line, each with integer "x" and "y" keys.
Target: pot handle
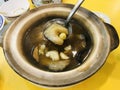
{"x": 113, "y": 36}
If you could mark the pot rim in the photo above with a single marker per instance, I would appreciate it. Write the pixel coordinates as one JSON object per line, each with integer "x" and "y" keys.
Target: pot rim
{"x": 14, "y": 55}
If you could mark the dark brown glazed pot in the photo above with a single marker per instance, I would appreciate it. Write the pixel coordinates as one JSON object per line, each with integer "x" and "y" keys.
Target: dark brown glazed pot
{"x": 103, "y": 37}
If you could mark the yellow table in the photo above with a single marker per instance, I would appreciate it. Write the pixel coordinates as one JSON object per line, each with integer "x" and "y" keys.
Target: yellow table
{"x": 107, "y": 78}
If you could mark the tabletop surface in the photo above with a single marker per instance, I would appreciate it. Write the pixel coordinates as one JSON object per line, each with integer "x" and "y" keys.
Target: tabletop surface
{"x": 107, "y": 78}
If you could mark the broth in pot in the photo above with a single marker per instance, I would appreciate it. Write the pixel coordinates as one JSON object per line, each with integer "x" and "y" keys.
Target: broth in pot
{"x": 49, "y": 56}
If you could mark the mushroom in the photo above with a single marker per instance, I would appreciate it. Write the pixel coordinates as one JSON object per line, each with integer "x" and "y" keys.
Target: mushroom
{"x": 63, "y": 56}
{"x": 54, "y": 55}
{"x": 68, "y": 48}
{"x": 56, "y": 33}
{"x": 42, "y": 49}
{"x": 55, "y": 65}
{"x": 59, "y": 65}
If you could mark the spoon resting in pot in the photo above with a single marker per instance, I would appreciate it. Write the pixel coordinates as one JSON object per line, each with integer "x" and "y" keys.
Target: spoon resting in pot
{"x": 77, "y": 5}
{"x": 57, "y": 30}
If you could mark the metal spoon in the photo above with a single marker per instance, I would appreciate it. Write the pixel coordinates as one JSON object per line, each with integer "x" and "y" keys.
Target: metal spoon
{"x": 77, "y": 5}
{"x": 64, "y": 22}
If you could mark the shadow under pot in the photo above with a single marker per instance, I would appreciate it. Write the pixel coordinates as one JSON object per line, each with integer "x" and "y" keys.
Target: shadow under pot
{"x": 88, "y": 46}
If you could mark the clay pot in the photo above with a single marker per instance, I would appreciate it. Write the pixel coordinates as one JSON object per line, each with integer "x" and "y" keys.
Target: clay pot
{"x": 103, "y": 36}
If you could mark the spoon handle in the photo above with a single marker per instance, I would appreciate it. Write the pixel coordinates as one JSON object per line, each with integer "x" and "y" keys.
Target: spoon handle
{"x": 77, "y": 5}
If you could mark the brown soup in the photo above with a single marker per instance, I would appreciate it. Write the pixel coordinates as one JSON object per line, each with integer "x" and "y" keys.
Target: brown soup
{"x": 79, "y": 41}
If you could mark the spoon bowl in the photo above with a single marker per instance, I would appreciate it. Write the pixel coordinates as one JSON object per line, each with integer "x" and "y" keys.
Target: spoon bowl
{"x": 61, "y": 22}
